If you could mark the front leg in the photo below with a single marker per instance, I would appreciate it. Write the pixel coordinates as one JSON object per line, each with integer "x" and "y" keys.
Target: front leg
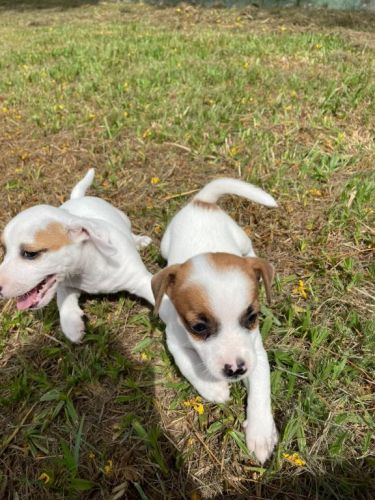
{"x": 141, "y": 241}
{"x": 261, "y": 433}
{"x": 192, "y": 368}
{"x": 71, "y": 314}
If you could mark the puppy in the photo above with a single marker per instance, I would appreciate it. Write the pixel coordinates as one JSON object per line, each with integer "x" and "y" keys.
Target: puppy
{"x": 85, "y": 245}
{"x": 208, "y": 298}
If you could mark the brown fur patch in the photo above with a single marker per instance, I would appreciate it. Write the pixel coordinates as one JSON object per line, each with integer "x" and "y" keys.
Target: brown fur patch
{"x": 205, "y": 205}
{"x": 189, "y": 300}
{"x": 192, "y": 306}
{"x": 253, "y": 267}
{"x": 52, "y": 238}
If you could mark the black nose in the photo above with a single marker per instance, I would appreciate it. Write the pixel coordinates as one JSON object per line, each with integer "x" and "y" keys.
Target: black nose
{"x": 233, "y": 372}
{"x": 1, "y": 289}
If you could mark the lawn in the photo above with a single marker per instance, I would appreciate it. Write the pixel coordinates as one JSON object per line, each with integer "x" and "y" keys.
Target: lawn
{"x": 160, "y": 99}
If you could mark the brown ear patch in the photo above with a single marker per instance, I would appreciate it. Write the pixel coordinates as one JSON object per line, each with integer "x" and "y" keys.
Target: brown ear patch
{"x": 264, "y": 270}
{"x": 161, "y": 283}
{"x": 52, "y": 238}
{"x": 206, "y": 205}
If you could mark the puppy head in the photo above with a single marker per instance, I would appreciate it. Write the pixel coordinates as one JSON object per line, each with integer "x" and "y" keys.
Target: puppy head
{"x": 42, "y": 246}
{"x": 216, "y": 299}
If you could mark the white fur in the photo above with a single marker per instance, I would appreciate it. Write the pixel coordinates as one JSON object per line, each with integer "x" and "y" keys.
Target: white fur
{"x": 102, "y": 258}
{"x": 197, "y": 230}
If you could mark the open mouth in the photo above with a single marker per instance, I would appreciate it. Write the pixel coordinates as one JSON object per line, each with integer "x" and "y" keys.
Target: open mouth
{"x": 32, "y": 298}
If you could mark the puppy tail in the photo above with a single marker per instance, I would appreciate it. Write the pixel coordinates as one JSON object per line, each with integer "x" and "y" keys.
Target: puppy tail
{"x": 212, "y": 192}
{"x": 80, "y": 189}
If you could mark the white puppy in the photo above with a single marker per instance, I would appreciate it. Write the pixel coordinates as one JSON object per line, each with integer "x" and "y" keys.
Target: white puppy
{"x": 85, "y": 245}
{"x": 208, "y": 298}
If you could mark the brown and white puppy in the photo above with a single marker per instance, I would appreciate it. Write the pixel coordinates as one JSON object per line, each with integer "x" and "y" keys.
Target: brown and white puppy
{"x": 85, "y": 245}
{"x": 208, "y": 297}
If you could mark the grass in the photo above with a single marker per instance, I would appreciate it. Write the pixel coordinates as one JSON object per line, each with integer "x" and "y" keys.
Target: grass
{"x": 284, "y": 99}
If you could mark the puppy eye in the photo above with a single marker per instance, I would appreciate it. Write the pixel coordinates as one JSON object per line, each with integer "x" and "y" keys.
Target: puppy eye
{"x": 249, "y": 317}
{"x": 25, "y": 254}
{"x": 199, "y": 328}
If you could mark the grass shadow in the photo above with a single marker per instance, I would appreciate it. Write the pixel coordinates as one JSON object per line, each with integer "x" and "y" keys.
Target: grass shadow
{"x": 83, "y": 420}
{"x": 23, "y": 5}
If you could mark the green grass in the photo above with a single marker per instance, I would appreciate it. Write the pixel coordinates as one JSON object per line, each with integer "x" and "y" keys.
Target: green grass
{"x": 185, "y": 94}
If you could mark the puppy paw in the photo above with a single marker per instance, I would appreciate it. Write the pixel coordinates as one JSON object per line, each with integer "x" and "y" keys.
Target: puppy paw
{"x": 142, "y": 241}
{"x": 73, "y": 327}
{"x": 216, "y": 392}
{"x": 261, "y": 436}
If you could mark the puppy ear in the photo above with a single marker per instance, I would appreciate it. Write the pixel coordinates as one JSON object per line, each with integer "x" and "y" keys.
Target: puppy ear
{"x": 162, "y": 282}
{"x": 264, "y": 270}
{"x": 83, "y": 229}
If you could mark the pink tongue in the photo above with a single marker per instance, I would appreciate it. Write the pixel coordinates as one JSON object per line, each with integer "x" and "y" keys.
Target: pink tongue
{"x": 27, "y": 301}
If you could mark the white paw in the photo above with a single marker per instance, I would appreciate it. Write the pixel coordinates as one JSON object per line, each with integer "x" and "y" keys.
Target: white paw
{"x": 216, "y": 392}
{"x": 73, "y": 327}
{"x": 261, "y": 436}
{"x": 142, "y": 241}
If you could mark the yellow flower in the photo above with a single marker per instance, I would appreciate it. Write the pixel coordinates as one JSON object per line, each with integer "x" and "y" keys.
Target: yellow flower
{"x": 233, "y": 151}
{"x": 155, "y": 180}
{"x": 315, "y": 192}
{"x": 91, "y": 455}
{"x": 5, "y": 109}
{"x": 294, "y": 459}
{"x": 147, "y": 133}
{"x": 125, "y": 114}
{"x": 196, "y": 404}
{"x": 157, "y": 229}
{"x": 300, "y": 289}
{"x": 108, "y": 468}
{"x": 318, "y": 46}
{"x": 282, "y": 28}
{"x": 92, "y": 116}
{"x": 45, "y": 478}
{"x": 246, "y": 65}
{"x": 145, "y": 356}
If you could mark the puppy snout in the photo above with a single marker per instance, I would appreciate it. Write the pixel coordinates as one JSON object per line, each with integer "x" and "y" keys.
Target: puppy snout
{"x": 234, "y": 371}
{"x": 1, "y": 291}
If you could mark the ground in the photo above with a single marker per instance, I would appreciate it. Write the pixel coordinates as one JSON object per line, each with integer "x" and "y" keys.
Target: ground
{"x": 160, "y": 99}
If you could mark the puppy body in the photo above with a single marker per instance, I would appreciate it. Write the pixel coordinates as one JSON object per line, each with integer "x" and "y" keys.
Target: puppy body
{"x": 208, "y": 298}
{"x": 85, "y": 245}
{"x": 202, "y": 226}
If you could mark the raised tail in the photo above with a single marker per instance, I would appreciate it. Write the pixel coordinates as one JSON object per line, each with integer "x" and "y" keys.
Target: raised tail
{"x": 213, "y": 190}
{"x": 81, "y": 187}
